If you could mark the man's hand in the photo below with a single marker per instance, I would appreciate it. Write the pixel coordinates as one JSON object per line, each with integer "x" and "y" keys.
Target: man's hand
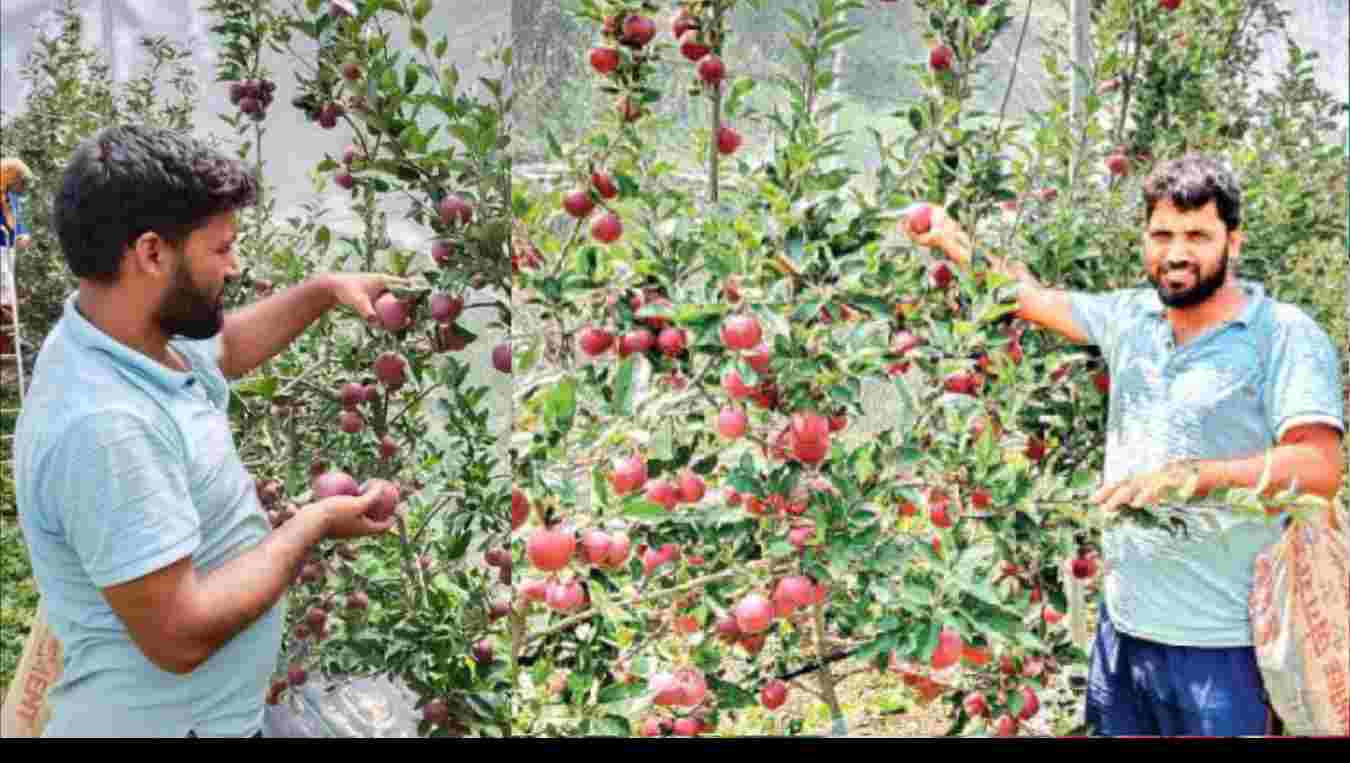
{"x": 358, "y": 291}
{"x": 345, "y": 516}
{"x": 1146, "y": 489}
{"x": 944, "y": 233}
{"x": 23, "y": 242}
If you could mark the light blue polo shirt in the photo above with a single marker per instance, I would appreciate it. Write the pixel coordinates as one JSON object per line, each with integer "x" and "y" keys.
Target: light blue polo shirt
{"x": 123, "y": 467}
{"x": 1231, "y": 392}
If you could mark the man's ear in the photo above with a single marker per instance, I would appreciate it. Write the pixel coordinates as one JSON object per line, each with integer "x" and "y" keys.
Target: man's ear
{"x": 149, "y": 255}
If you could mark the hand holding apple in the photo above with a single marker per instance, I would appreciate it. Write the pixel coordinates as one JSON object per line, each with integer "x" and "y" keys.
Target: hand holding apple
{"x": 929, "y": 225}
{"x": 358, "y": 291}
{"x": 347, "y": 516}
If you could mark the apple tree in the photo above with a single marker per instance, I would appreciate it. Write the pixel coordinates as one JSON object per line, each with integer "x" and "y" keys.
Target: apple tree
{"x": 393, "y": 400}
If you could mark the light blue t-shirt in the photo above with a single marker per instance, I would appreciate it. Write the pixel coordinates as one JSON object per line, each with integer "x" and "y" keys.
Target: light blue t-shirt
{"x": 1231, "y": 392}
{"x": 123, "y": 467}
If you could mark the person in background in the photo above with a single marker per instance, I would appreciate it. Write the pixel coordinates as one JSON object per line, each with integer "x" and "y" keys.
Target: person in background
{"x": 15, "y": 180}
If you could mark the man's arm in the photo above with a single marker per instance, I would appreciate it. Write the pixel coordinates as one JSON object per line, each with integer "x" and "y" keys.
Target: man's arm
{"x": 1310, "y": 454}
{"x": 1046, "y": 307}
{"x": 252, "y": 335}
{"x": 179, "y": 618}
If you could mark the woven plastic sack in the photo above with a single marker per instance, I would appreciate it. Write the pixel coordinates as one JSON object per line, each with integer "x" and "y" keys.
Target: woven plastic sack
{"x": 1300, "y": 614}
{"x": 26, "y": 711}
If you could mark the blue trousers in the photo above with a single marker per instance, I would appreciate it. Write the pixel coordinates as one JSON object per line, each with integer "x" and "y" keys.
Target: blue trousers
{"x": 1142, "y": 688}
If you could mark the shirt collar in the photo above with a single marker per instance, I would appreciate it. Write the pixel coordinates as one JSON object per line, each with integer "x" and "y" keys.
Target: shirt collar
{"x": 1256, "y": 296}
{"x": 91, "y": 337}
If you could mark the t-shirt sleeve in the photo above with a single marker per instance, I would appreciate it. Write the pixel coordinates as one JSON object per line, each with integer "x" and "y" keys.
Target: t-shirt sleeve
{"x": 1304, "y": 384}
{"x": 121, "y": 489}
{"x": 1099, "y": 316}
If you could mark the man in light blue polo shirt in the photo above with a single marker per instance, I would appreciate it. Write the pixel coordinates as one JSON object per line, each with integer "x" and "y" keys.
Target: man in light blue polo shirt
{"x": 162, "y": 577}
{"x": 1208, "y": 375}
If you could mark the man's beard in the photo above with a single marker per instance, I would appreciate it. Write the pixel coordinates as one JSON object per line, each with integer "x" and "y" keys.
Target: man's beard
{"x": 1199, "y": 292}
{"x": 189, "y": 312}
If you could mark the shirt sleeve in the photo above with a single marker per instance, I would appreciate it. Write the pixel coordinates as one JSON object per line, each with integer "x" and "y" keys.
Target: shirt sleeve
{"x": 122, "y": 494}
{"x": 1303, "y": 382}
{"x": 1099, "y": 317}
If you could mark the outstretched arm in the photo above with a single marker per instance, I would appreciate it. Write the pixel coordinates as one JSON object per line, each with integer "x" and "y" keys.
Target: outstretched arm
{"x": 1040, "y": 305}
{"x": 254, "y": 334}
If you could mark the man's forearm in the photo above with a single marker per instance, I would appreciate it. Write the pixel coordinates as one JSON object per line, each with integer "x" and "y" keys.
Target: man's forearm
{"x": 252, "y": 335}
{"x": 1305, "y": 463}
{"x": 234, "y": 596}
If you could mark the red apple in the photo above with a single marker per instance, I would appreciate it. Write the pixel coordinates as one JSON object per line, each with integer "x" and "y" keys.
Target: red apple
{"x": 711, "y": 70}
{"x": 455, "y": 208}
{"x": 638, "y": 30}
{"x": 501, "y": 357}
{"x": 1117, "y": 164}
{"x": 1005, "y": 726}
{"x": 1035, "y": 449}
{"x": 1084, "y": 567}
{"x": 389, "y": 369}
{"x": 549, "y": 548}
{"x": 1031, "y": 704}
{"x": 754, "y": 613}
{"x": 948, "y": 650}
{"x": 734, "y": 386}
{"x": 594, "y": 341}
{"x": 1102, "y": 380}
{"x": 692, "y": 487}
{"x": 596, "y": 544}
{"x": 393, "y": 312}
{"x": 740, "y": 332}
{"x": 1170, "y": 5}
{"x": 920, "y": 221}
{"x": 940, "y": 58}
{"x": 520, "y": 509}
{"x": 728, "y": 140}
{"x": 758, "y": 358}
{"x": 975, "y": 705}
{"x": 773, "y": 695}
{"x": 334, "y": 483}
{"x": 940, "y": 275}
{"x": 578, "y": 203}
{"x": 732, "y": 423}
{"x": 664, "y": 493}
{"x": 637, "y": 340}
{"x": 604, "y": 60}
{"x": 629, "y": 475}
{"x": 607, "y": 229}
{"x": 445, "y": 308}
{"x": 352, "y": 422}
{"x": 691, "y": 47}
{"x": 604, "y": 185}
{"x": 671, "y": 341}
{"x": 565, "y": 597}
{"x": 683, "y": 22}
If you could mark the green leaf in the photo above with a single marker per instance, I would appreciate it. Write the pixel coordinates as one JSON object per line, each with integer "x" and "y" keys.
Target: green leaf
{"x": 419, "y": 37}
{"x": 561, "y": 404}
{"x": 729, "y": 695}
{"x": 442, "y": 46}
{"x": 421, "y": 10}
{"x": 663, "y": 443}
{"x": 637, "y": 507}
{"x": 623, "y": 387}
{"x": 612, "y": 726}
